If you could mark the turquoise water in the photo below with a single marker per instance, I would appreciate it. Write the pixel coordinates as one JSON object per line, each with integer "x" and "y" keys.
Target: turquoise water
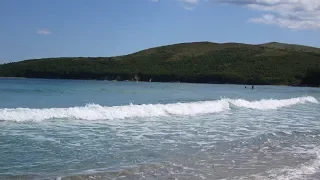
{"x": 128, "y": 130}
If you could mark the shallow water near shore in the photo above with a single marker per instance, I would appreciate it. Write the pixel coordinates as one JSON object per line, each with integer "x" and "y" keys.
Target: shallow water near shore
{"x": 64, "y": 129}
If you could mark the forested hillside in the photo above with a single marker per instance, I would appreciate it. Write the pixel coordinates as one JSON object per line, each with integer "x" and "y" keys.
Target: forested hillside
{"x": 199, "y": 62}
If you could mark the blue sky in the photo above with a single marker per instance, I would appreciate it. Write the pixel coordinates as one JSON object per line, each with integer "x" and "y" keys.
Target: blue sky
{"x": 60, "y": 28}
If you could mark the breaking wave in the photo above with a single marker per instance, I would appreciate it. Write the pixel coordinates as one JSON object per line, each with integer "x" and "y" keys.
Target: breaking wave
{"x": 98, "y": 112}
{"x": 293, "y": 173}
{"x": 267, "y": 104}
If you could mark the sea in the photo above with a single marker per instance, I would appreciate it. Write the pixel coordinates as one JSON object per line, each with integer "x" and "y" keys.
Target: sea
{"x": 86, "y": 129}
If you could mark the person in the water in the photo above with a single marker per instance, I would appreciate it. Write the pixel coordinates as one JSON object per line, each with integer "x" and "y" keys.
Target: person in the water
{"x": 252, "y": 86}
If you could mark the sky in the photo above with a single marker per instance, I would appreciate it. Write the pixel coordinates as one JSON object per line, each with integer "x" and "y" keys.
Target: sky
{"x": 67, "y": 28}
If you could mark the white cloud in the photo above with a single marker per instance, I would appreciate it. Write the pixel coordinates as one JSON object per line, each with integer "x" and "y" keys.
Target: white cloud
{"x": 189, "y": 4}
{"x": 189, "y": 8}
{"x": 286, "y": 23}
{"x": 44, "y": 32}
{"x": 293, "y": 14}
{"x": 186, "y": 4}
{"x": 190, "y": 1}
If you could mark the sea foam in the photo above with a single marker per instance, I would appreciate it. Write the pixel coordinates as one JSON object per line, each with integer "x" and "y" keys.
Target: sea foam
{"x": 267, "y": 104}
{"x": 293, "y": 173}
{"x": 98, "y": 112}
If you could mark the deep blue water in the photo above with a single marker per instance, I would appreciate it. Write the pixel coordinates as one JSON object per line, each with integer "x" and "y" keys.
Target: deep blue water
{"x": 140, "y": 130}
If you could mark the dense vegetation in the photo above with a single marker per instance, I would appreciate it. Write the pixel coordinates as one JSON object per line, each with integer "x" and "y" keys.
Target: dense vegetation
{"x": 199, "y": 62}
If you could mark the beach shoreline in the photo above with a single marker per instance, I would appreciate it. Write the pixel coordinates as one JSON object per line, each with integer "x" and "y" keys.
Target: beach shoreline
{"x": 216, "y": 83}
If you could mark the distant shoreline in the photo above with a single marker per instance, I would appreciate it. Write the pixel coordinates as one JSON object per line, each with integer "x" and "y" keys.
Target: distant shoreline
{"x": 217, "y": 83}
{"x": 14, "y": 78}
{"x": 195, "y": 62}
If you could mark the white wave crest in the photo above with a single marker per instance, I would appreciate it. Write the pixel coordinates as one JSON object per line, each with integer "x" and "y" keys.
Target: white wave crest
{"x": 97, "y": 112}
{"x": 292, "y": 173}
{"x": 302, "y": 171}
{"x": 267, "y": 104}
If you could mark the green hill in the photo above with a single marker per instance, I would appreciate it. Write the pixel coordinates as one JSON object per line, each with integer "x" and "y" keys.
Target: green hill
{"x": 292, "y": 47}
{"x": 198, "y": 62}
